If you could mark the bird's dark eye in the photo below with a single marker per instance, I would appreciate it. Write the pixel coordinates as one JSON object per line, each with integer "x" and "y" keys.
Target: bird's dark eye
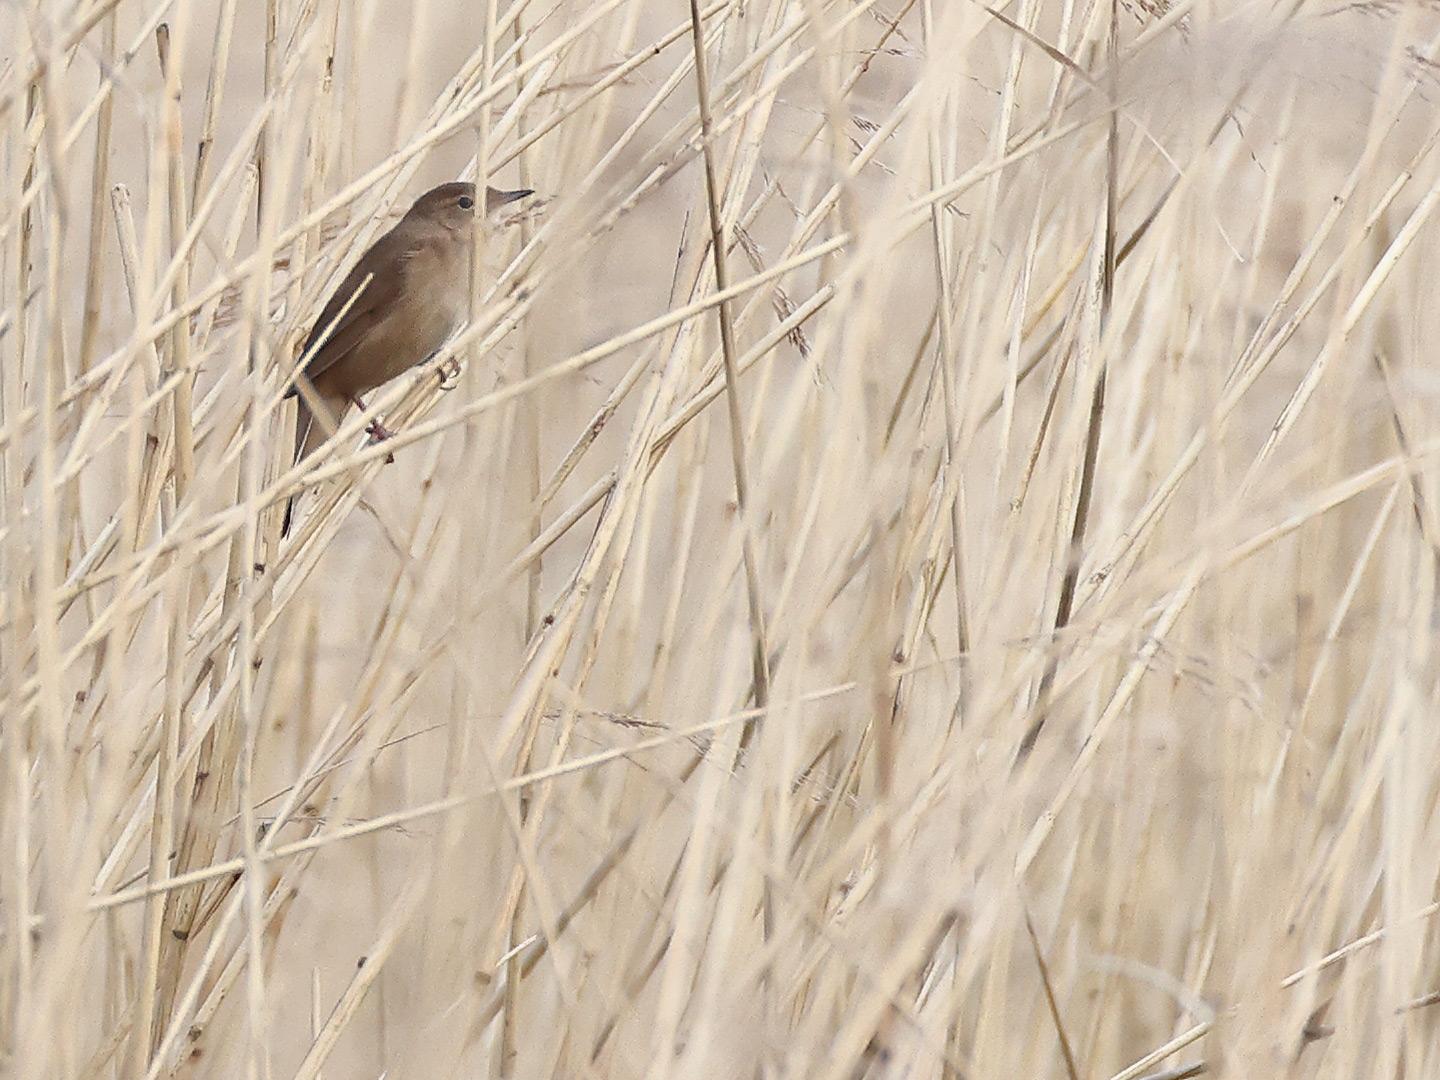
{"x": 467, "y": 203}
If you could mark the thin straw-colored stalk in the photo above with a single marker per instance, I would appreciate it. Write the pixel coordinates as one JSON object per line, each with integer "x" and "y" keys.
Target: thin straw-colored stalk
{"x": 719, "y": 247}
{"x": 99, "y": 184}
{"x": 1085, "y": 492}
{"x": 178, "y": 353}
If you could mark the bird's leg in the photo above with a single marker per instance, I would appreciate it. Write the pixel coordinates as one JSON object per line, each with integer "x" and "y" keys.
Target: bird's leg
{"x": 449, "y": 372}
{"x": 377, "y": 431}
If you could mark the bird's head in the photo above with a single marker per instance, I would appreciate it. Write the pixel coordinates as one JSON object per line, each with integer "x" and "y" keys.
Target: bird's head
{"x": 453, "y": 205}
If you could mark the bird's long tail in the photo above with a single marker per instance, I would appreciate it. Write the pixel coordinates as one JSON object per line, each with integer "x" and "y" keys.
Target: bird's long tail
{"x": 310, "y": 431}
{"x": 304, "y": 425}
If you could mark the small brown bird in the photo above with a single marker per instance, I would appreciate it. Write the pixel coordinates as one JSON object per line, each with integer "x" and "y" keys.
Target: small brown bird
{"x": 395, "y": 309}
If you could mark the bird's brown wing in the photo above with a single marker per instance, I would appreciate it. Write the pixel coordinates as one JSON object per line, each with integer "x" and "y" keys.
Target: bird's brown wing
{"x": 376, "y": 293}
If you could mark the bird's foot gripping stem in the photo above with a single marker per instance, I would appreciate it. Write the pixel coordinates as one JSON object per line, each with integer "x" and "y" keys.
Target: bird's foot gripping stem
{"x": 378, "y": 433}
{"x": 449, "y": 372}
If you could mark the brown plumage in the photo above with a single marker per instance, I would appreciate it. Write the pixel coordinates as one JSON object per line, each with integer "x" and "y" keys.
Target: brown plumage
{"x": 395, "y": 309}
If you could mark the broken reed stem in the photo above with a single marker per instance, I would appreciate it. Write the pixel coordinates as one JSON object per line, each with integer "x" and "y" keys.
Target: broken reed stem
{"x": 760, "y": 654}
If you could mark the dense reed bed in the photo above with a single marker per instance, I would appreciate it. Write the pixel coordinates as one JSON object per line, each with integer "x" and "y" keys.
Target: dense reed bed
{"x": 928, "y": 568}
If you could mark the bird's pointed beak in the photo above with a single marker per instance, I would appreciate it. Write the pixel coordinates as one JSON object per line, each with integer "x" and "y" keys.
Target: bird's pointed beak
{"x": 498, "y": 199}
